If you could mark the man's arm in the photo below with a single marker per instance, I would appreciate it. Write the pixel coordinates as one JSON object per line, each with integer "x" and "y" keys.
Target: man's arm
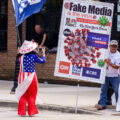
{"x": 111, "y": 64}
{"x": 43, "y": 40}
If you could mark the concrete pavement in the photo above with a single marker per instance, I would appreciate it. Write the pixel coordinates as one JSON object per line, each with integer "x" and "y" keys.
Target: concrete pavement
{"x": 11, "y": 114}
{"x": 62, "y": 95}
{"x": 59, "y": 98}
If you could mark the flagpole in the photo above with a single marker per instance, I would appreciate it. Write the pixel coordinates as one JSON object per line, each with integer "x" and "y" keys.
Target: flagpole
{"x": 17, "y": 29}
{"x": 18, "y": 36}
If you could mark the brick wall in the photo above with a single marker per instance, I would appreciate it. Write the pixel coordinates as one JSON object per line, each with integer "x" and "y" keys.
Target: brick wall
{"x": 7, "y": 59}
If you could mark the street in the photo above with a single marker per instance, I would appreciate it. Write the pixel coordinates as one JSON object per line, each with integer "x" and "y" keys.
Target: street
{"x": 11, "y": 114}
{"x": 57, "y": 102}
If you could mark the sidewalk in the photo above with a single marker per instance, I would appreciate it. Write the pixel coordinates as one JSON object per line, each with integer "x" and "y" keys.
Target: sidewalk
{"x": 58, "y": 97}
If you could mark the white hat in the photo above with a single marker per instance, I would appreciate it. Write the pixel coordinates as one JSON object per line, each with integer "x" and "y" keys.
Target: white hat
{"x": 114, "y": 42}
{"x": 28, "y": 46}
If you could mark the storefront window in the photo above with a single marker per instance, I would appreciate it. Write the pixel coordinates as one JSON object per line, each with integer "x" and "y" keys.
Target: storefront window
{"x": 53, "y": 5}
{"x": 118, "y": 16}
{"x": 114, "y": 22}
{"x": 115, "y": 33}
{"x": 118, "y": 23}
{"x": 3, "y": 25}
{"x": 49, "y": 18}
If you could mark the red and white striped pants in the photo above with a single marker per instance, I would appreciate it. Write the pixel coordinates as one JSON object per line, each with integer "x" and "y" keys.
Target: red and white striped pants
{"x": 30, "y": 98}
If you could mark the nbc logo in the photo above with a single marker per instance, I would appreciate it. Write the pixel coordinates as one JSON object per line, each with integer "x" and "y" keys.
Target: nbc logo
{"x": 71, "y": 22}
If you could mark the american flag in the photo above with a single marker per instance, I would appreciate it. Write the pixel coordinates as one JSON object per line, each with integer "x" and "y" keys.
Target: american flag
{"x": 27, "y": 72}
{"x": 27, "y": 65}
{"x": 26, "y": 68}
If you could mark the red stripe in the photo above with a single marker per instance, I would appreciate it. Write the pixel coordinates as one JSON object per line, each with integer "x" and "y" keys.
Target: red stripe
{"x": 20, "y": 70}
{"x": 20, "y": 78}
{"x": 28, "y": 74}
{"x": 23, "y": 76}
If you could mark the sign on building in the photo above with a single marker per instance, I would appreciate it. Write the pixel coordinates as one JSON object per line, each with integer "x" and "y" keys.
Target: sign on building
{"x": 83, "y": 40}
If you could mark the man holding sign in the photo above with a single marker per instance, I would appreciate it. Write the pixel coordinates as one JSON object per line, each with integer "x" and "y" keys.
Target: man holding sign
{"x": 113, "y": 64}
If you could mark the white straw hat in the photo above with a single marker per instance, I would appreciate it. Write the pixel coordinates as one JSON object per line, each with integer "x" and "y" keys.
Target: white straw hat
{"x": 114, "y": 42}
{"x": 28, "y": 46}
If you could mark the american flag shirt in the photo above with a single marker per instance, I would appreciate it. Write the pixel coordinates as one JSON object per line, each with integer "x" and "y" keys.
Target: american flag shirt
{"x": 27, "y": 65}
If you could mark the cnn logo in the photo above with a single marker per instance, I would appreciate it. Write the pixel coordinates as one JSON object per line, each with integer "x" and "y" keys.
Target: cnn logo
{"x": 64, "y": 67}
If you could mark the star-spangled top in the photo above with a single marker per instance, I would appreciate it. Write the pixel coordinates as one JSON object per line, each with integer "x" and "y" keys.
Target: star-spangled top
{"x": 29, "y": 61}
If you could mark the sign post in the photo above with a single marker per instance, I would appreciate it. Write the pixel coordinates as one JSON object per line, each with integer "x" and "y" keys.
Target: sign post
{"x": 77, "y": 97}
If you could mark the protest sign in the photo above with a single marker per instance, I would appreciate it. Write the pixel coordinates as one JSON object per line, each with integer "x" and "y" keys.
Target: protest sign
{"x": 83, "y": 40}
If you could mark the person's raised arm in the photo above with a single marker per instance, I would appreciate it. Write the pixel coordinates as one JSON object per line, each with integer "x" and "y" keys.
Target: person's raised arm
{"x": 41, "y": 60}
{"x": 43, "y": 40}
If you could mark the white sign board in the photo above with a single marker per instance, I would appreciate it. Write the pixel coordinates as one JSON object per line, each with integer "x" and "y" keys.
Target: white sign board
{"x": 83, "y": 40}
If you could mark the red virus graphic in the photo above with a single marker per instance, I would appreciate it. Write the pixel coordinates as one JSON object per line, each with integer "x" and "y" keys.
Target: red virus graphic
{"x": 94, "y": 17}
{"x": 78, "y": 52}
{"x": 67, "y": 5}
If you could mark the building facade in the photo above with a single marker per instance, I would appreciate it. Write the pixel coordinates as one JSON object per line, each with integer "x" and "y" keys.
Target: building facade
{"x": 49, "y": 19}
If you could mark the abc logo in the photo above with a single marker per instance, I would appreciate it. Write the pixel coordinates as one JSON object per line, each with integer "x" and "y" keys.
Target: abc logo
{"x": 67, "y": 32}
{"x": 64, "y": 67}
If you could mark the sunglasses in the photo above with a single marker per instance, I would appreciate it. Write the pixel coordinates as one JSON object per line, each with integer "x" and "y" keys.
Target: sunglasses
{"x": 114, "y": 46}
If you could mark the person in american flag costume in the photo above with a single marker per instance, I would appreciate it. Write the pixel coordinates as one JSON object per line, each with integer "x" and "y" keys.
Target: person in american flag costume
{"x": 27, "y": 80}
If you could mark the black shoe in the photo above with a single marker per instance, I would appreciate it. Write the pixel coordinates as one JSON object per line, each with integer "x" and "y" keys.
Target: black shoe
{"x": 108, "y": 103}
{"x": 101, "y": 108}
{"x": 13, "y": 90}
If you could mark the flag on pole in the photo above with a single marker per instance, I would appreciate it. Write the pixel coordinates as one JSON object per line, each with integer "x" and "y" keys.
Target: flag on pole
{"x": 25, "y": 8}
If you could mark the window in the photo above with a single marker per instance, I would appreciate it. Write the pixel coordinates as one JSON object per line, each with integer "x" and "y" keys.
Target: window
{"x": 115, "y": 33}
{"x": 114, "y": 22}
{"x": 118, "y": 16}
{"x": 53, "y": 6}
{"x": 3, "y": 24}
{"x": 49, "y": 18}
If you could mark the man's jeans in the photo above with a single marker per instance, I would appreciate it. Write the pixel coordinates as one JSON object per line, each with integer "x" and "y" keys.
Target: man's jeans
{"x": 104, "y": 89}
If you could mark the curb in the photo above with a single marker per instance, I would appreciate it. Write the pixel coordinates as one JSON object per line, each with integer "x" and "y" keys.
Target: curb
{"x": 49, "y": 107}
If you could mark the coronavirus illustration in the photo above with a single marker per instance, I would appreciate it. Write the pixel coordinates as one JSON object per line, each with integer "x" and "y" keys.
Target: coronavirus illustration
{"x": 101, "y": 63}
{"x": 103, "y": 21}
{"x": 77, "y": 51}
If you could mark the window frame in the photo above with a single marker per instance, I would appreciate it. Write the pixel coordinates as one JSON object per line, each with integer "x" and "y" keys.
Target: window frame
{"x": 3, "y": 29}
